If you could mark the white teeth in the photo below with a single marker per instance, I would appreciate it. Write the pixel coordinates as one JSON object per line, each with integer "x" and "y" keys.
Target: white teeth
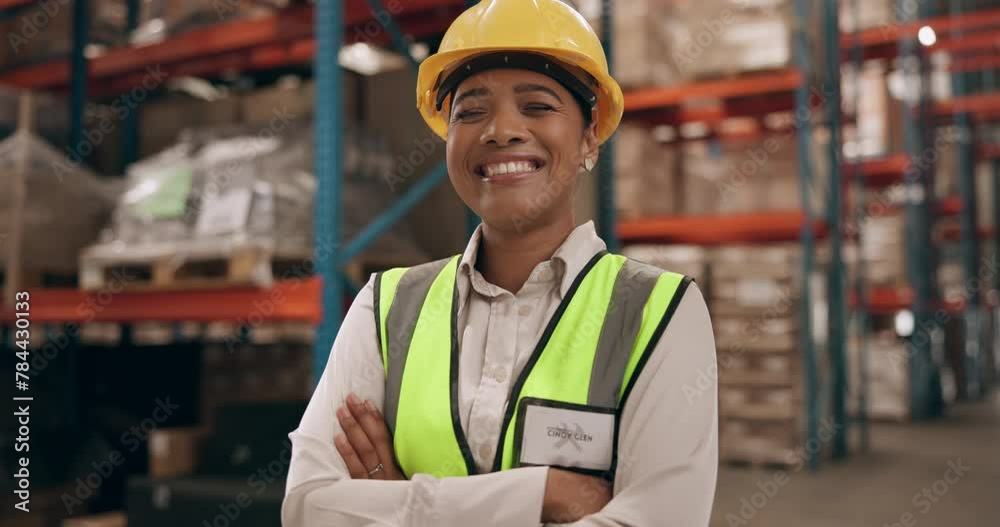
{"x": 510, "y": 167}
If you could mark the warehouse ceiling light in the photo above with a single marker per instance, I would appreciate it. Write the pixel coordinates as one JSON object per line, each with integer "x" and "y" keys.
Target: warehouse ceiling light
{"x": 927, "y": 36}
{"x": 905, "y": 323}
{"x": 366, "y": 59}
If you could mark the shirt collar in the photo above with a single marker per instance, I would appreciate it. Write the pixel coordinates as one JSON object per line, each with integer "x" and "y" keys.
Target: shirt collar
{"x": 566, "y": 263}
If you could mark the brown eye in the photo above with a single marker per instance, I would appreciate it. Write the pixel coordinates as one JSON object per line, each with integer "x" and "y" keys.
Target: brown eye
{"x": 465, "y": 115}
{"x": 538, "y": 107}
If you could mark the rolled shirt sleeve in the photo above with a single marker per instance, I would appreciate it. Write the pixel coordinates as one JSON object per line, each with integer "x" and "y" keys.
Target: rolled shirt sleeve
{"x": 320, "y": 492}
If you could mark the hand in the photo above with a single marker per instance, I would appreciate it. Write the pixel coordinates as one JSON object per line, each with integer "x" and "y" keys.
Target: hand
{"x": 365, "y": 442}
{"x": 570, "y": 496}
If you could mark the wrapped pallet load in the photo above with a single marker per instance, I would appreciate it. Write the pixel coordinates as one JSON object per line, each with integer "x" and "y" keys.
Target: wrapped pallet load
{"x": 235, "y": 205}
{"x": 61, "y": 210}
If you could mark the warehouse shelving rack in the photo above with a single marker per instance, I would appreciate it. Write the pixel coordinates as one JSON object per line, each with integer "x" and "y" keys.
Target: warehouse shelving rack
{"x": 968, "y": 37}
{"x": 754, "y": 95}
{"x": 757, "y": 94}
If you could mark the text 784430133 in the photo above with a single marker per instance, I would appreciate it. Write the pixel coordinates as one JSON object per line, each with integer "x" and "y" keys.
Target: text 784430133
{"x": 22, "y": 401}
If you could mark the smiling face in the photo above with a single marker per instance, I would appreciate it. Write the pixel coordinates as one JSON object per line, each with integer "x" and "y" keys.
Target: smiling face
{"x": 516, "y": 142}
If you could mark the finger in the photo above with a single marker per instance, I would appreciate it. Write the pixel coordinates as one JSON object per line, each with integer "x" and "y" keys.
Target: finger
{"x": 359, "y": 440}
{"x": 374, "y": 426}
{"x": 354, "y": 466}
{"x": 378, "y": 432}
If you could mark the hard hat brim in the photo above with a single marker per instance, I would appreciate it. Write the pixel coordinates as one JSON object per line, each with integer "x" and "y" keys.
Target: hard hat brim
{"x": 609, "y": 94}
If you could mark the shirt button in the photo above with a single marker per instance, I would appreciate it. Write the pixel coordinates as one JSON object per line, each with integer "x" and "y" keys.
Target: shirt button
{"x": 485, "y": 452}
{"x": 500, "y": 375}
{"x": 524, "y": 311}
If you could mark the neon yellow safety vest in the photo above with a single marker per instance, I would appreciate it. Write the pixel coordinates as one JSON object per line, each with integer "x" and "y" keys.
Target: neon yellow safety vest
{"x": 589, "y": 356}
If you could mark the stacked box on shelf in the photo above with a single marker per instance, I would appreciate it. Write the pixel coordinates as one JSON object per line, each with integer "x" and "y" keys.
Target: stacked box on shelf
{"x": 747, "y": 175}
{"x": 664, "y": 42}
{"x": 689, "y": 260}
{"x": 877, "y": 127}
{"x": 710, "y": 38}
{"x": 646, "y": 175}
{"x": 883, "y": 250}
{"x": 642, "y": 53}
{"x": 888, "y": 375}
{"x": 856, "y": 16}
{"x": 757, "y": 314}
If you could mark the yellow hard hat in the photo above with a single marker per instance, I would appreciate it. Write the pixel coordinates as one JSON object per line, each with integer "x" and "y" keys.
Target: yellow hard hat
{"x": 549, "y": 28}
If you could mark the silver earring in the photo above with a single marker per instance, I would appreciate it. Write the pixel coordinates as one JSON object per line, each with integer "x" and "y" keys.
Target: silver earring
{"x": 588, "y": 164}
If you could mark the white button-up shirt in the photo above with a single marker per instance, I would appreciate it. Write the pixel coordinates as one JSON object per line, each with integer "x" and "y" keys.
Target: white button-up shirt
{"x": 668, "y": 444}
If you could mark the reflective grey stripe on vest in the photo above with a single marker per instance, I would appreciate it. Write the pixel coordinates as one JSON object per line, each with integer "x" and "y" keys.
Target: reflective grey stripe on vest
{"x": 633, "y": 285}
{"x": 399, "y": 325}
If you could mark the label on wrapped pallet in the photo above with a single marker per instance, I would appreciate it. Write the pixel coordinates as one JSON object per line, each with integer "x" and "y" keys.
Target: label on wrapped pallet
{"x": 224, "y": 213}
{"x": 163, "y": 194}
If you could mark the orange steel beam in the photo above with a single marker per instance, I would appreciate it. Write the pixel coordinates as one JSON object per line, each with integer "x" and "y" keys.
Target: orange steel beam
{"x": 880, "y": 172}
{"x": 286, "y": 300}
{"x": 980, "y": 106}
{"x": 719, "y": 229}
{"x": 987, "y": 41}
{"x": 943, "y": 25}
{"x": 979, "y": 63}
{"x": 10, "y": 4}
{"x": 989, "y": 151}
{"x": 742, "y": 86}
{"x": 194, "y": 49}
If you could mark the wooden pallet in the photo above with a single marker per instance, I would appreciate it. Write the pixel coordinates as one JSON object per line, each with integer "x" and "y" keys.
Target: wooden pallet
{"x": 203, "y": 267}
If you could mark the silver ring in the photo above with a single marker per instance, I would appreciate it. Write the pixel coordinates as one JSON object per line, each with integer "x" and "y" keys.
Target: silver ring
{"x": 378, "y": 468}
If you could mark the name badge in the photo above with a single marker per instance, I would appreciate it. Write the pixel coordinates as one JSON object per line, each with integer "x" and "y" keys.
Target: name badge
{"x": 564, "y": 435}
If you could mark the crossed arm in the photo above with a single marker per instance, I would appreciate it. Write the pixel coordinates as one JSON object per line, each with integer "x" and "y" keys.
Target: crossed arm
{"x": 667, "y": 450}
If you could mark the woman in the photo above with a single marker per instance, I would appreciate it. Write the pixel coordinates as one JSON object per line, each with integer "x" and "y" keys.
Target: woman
{"x": 533, "y": 378}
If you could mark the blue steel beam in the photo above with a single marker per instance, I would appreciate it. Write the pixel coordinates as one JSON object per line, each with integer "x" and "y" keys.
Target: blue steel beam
{"x": 860, "y": 292}
{"x": 969, "y": 231}
{"x": 329, "y": 157}
{"x": 394, "y": 213}
{"x": 804, "y": 131}
{"x": 924, "y": 380}
{"x": 130, "y": 127}
{"x": 835, "y": 214}
{"x": 384, "y": 17}
{"x": 78, "y": 80}
{"x": 606, "y": 220}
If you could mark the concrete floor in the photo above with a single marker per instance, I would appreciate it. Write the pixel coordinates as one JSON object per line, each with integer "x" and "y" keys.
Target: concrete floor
{"x": 878, "y": 489}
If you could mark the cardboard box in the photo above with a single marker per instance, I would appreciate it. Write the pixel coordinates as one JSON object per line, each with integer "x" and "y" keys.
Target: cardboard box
{"x": 107, "y": 519}
{"x": 162, "y": 120}
{"x": 174, "y": 451}
{"x": 646, "y": 175}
